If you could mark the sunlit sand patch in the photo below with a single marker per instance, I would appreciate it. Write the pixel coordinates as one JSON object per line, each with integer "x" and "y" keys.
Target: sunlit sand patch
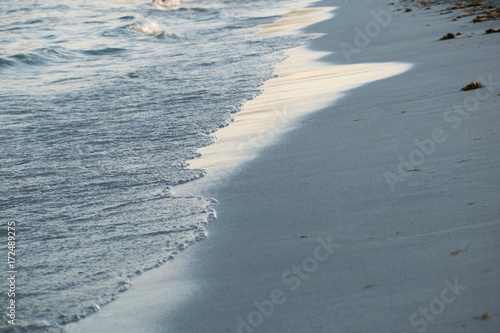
{"x": 295, "y": 20}
{"x": 304, "y": 84}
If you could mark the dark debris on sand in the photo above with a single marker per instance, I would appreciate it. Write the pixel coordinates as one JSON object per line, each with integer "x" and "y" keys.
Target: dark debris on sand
{"x": 472, "y": 86}
{"x": 482, "y": 10}
{"x": 448, "y": 36}
{"x": 491, "y": 31}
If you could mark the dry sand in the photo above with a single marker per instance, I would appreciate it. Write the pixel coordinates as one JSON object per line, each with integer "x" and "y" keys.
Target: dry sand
{"x": 377, "y": 213}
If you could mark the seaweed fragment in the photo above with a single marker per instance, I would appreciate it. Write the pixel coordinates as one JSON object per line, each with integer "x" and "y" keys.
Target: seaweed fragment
{"x": 472, "y": 86}
{"x": 491, "y": 31}
{"x": 448, "y": 36}
{"x": 454, "y": 253}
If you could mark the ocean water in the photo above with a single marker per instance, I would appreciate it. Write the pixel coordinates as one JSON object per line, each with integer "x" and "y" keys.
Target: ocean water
{"x": 102, "y": 105}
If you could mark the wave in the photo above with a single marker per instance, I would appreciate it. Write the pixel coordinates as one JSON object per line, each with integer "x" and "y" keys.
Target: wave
{"x": 29, "y": 58}
{"x": 6, "y": 63}
{"x": 37, "y": 57}
{"x": 107, "y": 50}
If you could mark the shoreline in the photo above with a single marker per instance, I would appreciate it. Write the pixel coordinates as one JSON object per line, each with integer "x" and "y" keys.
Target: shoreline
{"x": 226, "y": 157}
{"x": 310, "y": 236}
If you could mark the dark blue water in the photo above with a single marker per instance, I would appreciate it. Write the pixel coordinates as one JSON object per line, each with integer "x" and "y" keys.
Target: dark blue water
{"x": 102, "y": 103}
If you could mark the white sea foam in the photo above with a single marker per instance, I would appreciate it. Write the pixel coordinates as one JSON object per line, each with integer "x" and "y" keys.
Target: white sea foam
{"x": 94, "y": 307}
{"x": 168, "y": 3}
{"x": 150, "y": 27}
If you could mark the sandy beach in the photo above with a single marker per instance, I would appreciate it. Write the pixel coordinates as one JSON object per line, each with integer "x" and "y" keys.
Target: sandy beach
{"x": 373, "y": 204}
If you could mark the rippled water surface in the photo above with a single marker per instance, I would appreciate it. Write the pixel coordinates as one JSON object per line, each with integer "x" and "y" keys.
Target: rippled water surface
{"x": 101, "y": 105}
